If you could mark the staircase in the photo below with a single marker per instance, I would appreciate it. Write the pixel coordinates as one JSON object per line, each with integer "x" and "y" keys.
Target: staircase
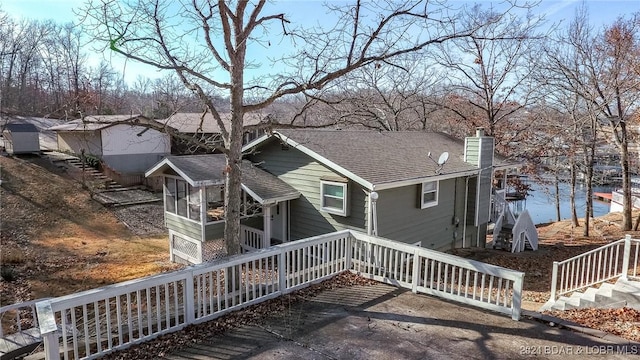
{"x": 606, "y": 277}
{"x": 512, "y": 233}
{"x": 95, "y": 175}
{"x": 622, "y": 293}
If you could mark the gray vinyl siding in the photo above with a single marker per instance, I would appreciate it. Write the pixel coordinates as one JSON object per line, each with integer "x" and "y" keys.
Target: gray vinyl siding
{"x": 211, "y": 231}
{"x": 304, "y": 173}
{"x": 183, "y": 226}
{"x": 438, "y": 227}
{"x": 214, "y": 231}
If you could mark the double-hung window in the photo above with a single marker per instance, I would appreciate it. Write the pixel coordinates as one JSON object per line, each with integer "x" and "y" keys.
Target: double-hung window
{"x": 333, "y": 196}
{"x": 429, "y": 194}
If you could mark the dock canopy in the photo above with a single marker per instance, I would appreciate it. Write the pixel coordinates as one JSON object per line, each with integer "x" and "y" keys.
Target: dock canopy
{"x": 207, "y": 170}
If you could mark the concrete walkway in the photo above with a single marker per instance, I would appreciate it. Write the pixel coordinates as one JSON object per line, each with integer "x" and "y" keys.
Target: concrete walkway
{"x": 383, "y": 322}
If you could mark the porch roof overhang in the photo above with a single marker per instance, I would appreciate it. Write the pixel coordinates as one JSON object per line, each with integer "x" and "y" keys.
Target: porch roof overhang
{"x": 208, "y": 170}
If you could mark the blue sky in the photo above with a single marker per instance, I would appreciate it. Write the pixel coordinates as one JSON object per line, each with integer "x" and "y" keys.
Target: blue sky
{"x": 601, "y": 12}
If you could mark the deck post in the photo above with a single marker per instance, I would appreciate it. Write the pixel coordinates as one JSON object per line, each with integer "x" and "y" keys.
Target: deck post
{"x": 282, "y": 271}
{"x": 516, "y": 302}
{"x": 415, "y": 278}
{"x": 349, "y": 253}
{"x": 51, "y": 346}
{"x": 554, "y": 281}
{"x": 266, "y": 237}
{"x": 189, "y": 298}
{"x": 625, "y": 258}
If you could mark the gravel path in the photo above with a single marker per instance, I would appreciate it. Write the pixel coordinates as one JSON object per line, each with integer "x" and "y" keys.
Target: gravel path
{"x": 143, "y": 220}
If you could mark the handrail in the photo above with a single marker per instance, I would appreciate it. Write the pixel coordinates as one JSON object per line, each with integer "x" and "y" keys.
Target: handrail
{"x": 608, "y": 262}
{"x": 95, "y": 322}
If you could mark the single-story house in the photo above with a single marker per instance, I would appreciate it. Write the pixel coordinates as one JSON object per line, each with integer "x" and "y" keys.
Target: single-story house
{"x": 421, "y": 188}
{"x": 205, "y": 128}
{"x": 21, "y": 138}
{"x": 126, "y": 143}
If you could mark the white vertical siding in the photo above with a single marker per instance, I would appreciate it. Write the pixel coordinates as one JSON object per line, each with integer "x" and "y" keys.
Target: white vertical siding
{"x": 125, "y": 139}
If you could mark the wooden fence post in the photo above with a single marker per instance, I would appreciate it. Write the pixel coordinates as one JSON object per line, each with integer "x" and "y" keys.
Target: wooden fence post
{"x": 282, "y": 271}
{"x": 189, "y": 301}
{"x": 625, "y": 259}
{"x": 415, "y": 277}
{"x": 516, "y": 302}
{"x": 554, "y": 281}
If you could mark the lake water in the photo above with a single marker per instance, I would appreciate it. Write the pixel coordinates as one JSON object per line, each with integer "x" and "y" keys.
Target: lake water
{"x": 541, "y": 202}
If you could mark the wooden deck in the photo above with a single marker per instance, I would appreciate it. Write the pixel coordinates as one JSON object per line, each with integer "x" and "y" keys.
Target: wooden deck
{"x": 606, "y": 197}
{"x": 19, "y": 343}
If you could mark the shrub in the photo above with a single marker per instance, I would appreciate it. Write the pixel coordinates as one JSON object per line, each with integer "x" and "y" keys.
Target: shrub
{"x": 8, "y": 273}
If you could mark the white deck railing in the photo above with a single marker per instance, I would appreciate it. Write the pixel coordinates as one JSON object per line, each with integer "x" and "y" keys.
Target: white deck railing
{"x": 618, "y": 259}
{"x": 92, "y": 323}
{"x": 252, "y": 239}
{"x": 436, "y": 273}
{"x": 19, "y": 327}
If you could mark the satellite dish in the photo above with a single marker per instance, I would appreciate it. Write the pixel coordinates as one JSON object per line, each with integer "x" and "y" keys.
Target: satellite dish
{"x": 443, "y": 158}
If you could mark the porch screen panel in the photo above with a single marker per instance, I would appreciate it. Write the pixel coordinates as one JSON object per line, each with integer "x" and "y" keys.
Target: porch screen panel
{"x": 182, "y": 198}
{"x": 194, "y": 203}
{"x": 170, "y": 195}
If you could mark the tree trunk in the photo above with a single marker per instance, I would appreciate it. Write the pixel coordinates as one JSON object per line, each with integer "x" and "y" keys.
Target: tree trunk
{"x": 572, "y": 194}
{"x": 626, "y": 184}
{"x": 556, "y": 184}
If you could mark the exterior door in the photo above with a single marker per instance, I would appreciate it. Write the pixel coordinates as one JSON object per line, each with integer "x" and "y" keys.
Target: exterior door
{"x": 279, "y": 224}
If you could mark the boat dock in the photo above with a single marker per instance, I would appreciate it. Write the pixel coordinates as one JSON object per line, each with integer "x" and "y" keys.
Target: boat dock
{"x": 606, "y": 197}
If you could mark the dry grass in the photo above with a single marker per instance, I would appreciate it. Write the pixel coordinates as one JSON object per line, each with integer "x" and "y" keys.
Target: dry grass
{"x": 57, "y": 240}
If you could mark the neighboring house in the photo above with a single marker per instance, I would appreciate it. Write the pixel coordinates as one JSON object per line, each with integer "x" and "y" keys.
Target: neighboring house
{"x": 313, "y": 182}
{"x": 205, "y": 128}
{"x": 126, "y": 143}
{"x": 21, "y": 138}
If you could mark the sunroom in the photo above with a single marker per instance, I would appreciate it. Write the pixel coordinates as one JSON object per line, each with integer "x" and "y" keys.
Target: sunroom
{"x": 193, "y": 194}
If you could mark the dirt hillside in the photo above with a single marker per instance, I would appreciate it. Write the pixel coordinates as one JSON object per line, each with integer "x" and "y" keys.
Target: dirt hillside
{"x": 56, "y": 240}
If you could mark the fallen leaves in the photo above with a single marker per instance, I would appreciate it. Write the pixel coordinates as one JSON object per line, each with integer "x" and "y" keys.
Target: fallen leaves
{"x": 255, "y": 314}
{"x": 623, "y": 322}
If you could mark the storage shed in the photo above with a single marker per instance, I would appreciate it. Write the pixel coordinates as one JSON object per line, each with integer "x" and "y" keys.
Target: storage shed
{"x": 21, "y": 138}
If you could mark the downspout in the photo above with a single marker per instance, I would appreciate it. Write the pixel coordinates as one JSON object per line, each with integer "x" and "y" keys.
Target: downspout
{"x": 203, "y": 212}
{"x": 374, "y": 213}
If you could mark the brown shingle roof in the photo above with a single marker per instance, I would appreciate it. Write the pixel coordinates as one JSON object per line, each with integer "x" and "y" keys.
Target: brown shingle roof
{"x": 209, "y": 169}
{"x": 192, "y": 123}
{"x": 97, "y": 122}
{"x": 384, "y": 157}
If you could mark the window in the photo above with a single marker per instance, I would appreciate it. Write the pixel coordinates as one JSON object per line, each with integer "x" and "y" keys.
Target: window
{"x": 429, "y": 194}
{"x": 334, "y": 197}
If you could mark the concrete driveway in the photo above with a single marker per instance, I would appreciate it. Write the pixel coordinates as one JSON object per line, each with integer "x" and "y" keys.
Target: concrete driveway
{"x": 383, "y": 322}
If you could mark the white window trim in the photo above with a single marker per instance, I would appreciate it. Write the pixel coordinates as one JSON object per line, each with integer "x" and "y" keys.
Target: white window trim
{"x": 345, "y": 197}
{"x": 424, "y": 205}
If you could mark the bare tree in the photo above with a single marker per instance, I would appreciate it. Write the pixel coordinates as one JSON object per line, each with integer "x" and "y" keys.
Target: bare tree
{"x": 382, "y": 96}
{"x": 597, "y": 69}
{"x": 210, "y": 46}
{"x": 491, "y": 69}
